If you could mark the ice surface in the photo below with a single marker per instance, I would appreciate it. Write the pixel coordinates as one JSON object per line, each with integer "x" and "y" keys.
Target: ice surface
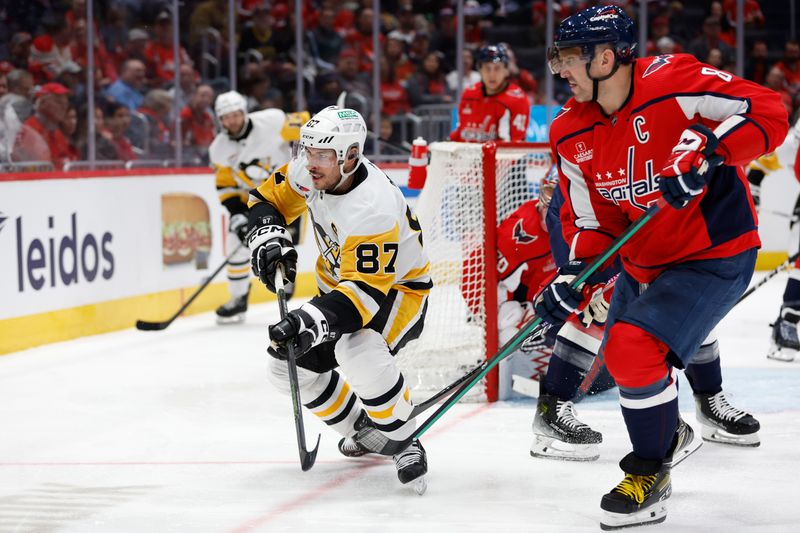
{"x": 179, "y": 431}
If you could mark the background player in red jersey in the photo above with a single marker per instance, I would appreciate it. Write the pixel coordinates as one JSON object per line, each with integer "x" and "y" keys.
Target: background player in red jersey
{"x": 493, "y": 109}
{"x": 683, "y": 272}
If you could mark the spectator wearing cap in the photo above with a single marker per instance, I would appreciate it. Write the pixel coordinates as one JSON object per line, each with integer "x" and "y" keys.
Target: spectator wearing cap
{"x": 52, "y": 50}
{"x": 159, "y": 51}
{"x": 406, "y": 23}
{"x": 659, "y": 29}
{"x": 127, "y": 89}
{"x": 427, "y": 85}
{"x": 258, "y": 35}
{"x": 50, "y": 110}
{"x": 117, "y": 121}
{"x": 326, "y": 40}
{"x": 710, "y": 38}
{"x": 20, "y": 90}
{"x": 444, "y": 36}
{"x": 471, "y": 76}
{"x": 395, "y": 54}
{"x": 134, "y": 48}
{"x": 19, "y": 50}
{"x": 197, "y": 122}
{"x": 420, "y": 46}
{"x": 475, "y": 21}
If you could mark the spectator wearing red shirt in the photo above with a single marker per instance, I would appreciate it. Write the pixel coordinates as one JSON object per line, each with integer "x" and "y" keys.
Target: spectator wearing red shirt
{"x": 159, "y": 51}
{"x": 197, "y": 122}
{"x": 102, "y": 59}
{"x": 753, "y": 16}
{"x": 395, "y": 54}
{"x": 394, "y": 98}
{"x": 658, "y": 30}
{"x": 427, "y": 85}
{"x": 51, "y": 105}
{"x": 790, "y": 66}
{"x": 360, "y": 39}
{"x": 118, "y": 119}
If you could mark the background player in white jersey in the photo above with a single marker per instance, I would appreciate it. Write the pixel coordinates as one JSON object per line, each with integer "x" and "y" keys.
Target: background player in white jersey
{"x": 243, "y": 155}
{"x": 372, "y": 274}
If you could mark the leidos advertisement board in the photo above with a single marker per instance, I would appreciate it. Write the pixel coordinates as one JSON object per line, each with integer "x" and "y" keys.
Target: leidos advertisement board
{"x": 71, "y": 242}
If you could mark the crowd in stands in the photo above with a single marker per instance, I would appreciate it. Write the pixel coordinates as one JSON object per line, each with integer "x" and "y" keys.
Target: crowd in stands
{"x": 44, "y": 57}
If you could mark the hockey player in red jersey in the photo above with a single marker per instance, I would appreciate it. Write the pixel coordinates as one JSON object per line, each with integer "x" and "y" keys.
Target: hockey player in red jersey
{"x": 637, "y": 130}
{"x": 492, "y": 109}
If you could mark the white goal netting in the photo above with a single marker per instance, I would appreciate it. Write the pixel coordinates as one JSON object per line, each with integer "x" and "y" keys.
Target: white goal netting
{"x": 454, "y": 226}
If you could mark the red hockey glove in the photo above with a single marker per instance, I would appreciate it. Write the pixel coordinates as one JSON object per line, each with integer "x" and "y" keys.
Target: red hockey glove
{"x": 688, "y": 169}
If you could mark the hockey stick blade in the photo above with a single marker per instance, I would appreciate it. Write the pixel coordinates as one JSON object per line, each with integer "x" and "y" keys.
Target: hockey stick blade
{"x": 307, "y": 457}
{"x": 145, "y": 325}
{"x": 393, "y": 447}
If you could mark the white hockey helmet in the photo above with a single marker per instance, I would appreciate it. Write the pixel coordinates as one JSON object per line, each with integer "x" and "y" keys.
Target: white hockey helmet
{"x": 230, "y": 102}
{"x": 337, "y": 129}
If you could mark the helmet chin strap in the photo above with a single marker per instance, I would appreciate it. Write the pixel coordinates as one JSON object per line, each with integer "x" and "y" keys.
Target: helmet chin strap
{"x": 344, "y": 175}
{"x": 596, "y": 81}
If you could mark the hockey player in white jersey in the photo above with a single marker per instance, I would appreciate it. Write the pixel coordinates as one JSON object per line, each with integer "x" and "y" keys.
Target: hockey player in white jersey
{"x": 372, "y": 275}
{"x": 243, "y": 155}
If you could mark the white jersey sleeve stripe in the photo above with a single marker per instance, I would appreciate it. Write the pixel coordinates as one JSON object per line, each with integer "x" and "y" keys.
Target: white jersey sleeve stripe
{"x": 712, "y": 107}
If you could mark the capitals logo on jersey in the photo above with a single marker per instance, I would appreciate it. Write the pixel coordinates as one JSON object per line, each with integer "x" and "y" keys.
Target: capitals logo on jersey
{"x": 658, "y": 63}
{"x": 520, "y": 236}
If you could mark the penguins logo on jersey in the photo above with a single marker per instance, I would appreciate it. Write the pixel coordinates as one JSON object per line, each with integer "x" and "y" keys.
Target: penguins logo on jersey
{"x": 520, "y": 236}
{"x": 328, "y": 249}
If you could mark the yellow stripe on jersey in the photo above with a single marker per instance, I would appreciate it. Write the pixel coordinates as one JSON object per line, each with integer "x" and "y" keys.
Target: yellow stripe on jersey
{"x": 418, "y": 272}
{"x": 368, "y": 264}
{"x": 278, "y": 192}
{"x": 323, "y": 276}
{"x": 408, "y": 312}
{"x": 336, "y": 404}
{"x": 227, "y": 187}
{"x": 351, "y": 295}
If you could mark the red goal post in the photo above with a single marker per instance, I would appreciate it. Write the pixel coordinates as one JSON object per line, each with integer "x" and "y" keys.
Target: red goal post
{"x": 469, "y": 190}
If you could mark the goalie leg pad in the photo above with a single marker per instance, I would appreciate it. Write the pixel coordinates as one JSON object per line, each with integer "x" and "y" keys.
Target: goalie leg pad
{"x": 364, "y": 356}
{"x": 327, "y": 395}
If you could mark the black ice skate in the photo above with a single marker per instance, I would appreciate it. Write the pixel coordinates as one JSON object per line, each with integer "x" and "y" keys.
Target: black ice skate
{"x": 638, "y": 500}
{"x": 785, "y": 342}
{"x": 350, "y": 446}
{"x": 233, "y": 311}
{"x": 724, "y": 423}
{"x": 558, "y": 434}
{"x": 412, "y": 465}
{"x": 683, "y": 444}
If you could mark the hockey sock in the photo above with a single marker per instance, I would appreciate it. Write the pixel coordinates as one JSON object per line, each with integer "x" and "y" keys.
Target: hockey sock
{"x": 562, "y": 379}
{"x": 704, "y": 372}
{"x": 650, "y": 427}
{"x": 791, "y": 296}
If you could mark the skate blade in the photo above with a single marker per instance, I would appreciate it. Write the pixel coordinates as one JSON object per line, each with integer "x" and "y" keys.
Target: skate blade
{"x": 720, "y": 436}
{"x": 230, "y": 320}
{"x": 654, "y": 514}
{"x": 680, "y": 455}
{"x": 550, "y": 448}
{"x": 420, "y": 485}
{"x": 786, "y": 355}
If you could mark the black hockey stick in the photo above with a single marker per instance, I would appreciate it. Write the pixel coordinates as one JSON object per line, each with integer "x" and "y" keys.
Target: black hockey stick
{"x": 772, "y": 273}
{"x": 146, "y": 325}
{"x": 394, "y": 447}
{"x": 307, "y": 457}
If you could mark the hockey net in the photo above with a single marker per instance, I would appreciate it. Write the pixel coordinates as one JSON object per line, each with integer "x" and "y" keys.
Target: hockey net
{"x": 469, "y": 190}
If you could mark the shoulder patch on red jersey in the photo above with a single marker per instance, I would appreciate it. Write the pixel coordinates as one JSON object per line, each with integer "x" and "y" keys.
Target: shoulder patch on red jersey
{"x": 520, "y": 236}
{"x": 658, "y": 63}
